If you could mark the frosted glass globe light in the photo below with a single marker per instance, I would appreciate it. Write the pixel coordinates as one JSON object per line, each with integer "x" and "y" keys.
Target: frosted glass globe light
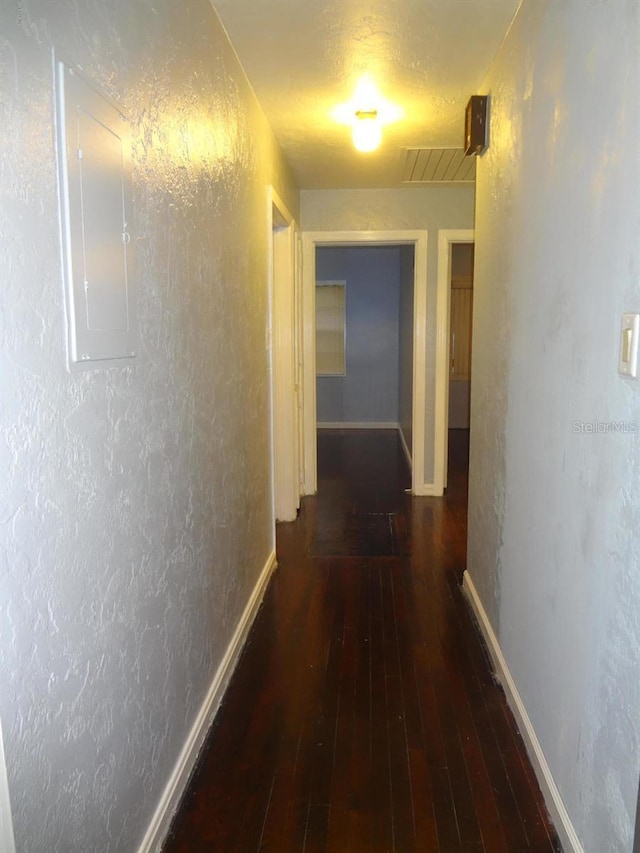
{"x": 366, "y": 131}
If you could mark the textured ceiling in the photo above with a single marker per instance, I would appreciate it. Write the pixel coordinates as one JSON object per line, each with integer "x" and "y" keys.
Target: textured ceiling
{"x": 303, "y": 57}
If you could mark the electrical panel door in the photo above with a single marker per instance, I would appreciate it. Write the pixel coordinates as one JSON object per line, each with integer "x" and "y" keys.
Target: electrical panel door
{"x": 95, "y": 191}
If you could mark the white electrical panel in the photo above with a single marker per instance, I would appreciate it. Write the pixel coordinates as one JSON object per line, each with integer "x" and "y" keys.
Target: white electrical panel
{"x": 95, "y": 192}
{"x": 629, "y": 333}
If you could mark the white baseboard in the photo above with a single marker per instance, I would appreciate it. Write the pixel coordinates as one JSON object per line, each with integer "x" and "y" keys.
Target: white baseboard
{"x": 428, "y": 490}
{"x": 179, "y": 778}
{"x": 550, "y": 792}
{"x": 358, "y": 425}
{"x": 405, "y": 447}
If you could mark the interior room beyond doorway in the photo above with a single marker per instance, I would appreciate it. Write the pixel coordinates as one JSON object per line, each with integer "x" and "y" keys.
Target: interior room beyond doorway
{"x": 374, "y": 389}
{"x": 460, "y": 334}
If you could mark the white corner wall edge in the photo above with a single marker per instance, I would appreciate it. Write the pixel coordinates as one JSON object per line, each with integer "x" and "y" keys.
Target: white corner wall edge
{"x": 179, "y": 778}
{"x": 7, "y": 840}
{"x": 550, "y": 792}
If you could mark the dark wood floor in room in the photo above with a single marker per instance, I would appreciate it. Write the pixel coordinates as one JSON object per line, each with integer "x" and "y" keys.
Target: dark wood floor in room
{"x": 362, "y": 716}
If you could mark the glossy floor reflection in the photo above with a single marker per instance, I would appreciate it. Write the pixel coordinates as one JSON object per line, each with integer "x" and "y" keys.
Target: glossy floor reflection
{"x": 363, "y": 715}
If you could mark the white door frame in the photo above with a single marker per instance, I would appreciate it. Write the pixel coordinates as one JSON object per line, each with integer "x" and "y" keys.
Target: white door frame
{"x": 446, "y": 239}
{"x": 299, "y": 355}
{"x": 417, "y": 239}
{"x": 281, "y": 336}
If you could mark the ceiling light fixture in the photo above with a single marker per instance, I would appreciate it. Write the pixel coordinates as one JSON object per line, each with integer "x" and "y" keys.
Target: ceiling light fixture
{"x": 367, "y": 113}
{"x": 366, "y": 131}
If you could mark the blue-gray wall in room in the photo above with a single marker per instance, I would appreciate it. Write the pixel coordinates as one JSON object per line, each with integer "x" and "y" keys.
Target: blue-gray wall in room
{"x": 369, "y": 391}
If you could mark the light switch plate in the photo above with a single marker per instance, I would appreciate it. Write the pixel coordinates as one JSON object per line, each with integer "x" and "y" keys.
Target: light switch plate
{"x": 629, "y": 333}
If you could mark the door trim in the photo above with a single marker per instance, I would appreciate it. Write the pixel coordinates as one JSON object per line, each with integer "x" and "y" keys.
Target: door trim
{"x": 446, "y": 238}
{"x": 419, "y": 240}
{"x": 281, "y": 332}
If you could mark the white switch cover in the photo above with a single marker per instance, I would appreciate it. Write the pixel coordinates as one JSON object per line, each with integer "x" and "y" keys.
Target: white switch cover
{"x": 629, "y": 333}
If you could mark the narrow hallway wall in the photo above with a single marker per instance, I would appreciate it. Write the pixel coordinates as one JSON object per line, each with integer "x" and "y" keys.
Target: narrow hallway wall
{"x": 554, "y": 505}
{"x": 136, "y": 501}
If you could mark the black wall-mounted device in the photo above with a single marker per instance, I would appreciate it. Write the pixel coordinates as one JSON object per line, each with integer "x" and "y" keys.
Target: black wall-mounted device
{"x": 475, "y": 125}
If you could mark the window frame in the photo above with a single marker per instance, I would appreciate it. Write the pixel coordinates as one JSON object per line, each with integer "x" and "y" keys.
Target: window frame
{"x": 335, "y": 283}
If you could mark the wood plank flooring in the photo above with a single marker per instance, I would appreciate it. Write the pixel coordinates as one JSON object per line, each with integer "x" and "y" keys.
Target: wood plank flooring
{"x": 362, "y": 716}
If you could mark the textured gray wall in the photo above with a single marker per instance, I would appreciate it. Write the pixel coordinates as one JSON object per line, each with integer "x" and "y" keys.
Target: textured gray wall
{"x": 554, "y": 526}
{"x": 135, "y": 501}
{"x": 368, "y": 393}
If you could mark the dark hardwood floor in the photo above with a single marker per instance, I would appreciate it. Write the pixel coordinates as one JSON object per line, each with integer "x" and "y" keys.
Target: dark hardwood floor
{"x": 363, "y": 716}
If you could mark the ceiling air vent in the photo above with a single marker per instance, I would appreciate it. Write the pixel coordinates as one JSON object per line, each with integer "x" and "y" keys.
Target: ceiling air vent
{"x": 428, "y": 165}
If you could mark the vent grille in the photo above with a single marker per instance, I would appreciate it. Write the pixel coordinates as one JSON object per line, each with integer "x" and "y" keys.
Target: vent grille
{"x": 426, "y": 165}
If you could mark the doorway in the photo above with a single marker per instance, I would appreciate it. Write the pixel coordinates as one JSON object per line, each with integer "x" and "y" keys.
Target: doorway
{"x": 283, "y": 340}
{"x": 417, "y": 240}
{"x": 364, "y": 337}
{"x": 447, "y": 240}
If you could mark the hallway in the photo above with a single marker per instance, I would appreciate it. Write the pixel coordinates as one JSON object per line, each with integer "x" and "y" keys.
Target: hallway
{"x": 362, "y": 715}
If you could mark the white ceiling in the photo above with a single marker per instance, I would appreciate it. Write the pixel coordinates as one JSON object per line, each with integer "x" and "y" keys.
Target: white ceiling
{"x": 303, "y": 57}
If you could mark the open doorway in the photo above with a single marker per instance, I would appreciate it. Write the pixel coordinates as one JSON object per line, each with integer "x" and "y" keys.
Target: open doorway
{"x": 453, "y": 358}
{"x": 364, "y": 337}
{"x": 370, "y": 400}
{"x": 284, "y": 345}
{"x": 460, "y": 316}
{"x": 460, "y": 327}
